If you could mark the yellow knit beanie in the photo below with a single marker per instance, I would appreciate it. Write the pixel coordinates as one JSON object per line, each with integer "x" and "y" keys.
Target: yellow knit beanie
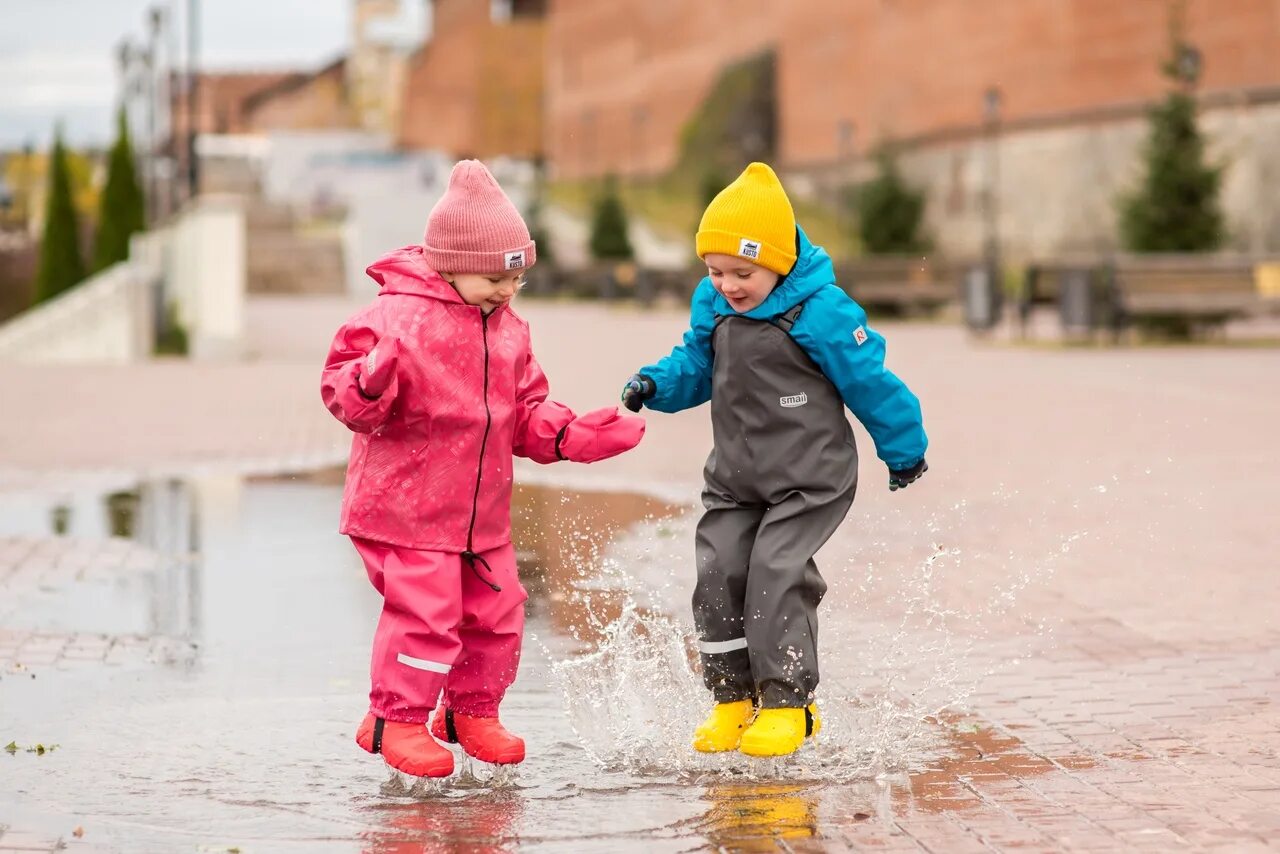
{"x": 751, "y": 218}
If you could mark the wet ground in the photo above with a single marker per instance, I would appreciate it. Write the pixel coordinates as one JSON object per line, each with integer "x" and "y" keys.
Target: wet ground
{"x": 1064, "y": 639}
{"x": 213, "y": 665}
{"x": 195, "y": 680}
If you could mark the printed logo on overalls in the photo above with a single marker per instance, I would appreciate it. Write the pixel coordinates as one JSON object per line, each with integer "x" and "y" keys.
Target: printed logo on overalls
{"x": 749, "y": 248}
{"x": 860, "y": 335}
{"x": 515, "y": 260}
{"x": 791, "y": 401}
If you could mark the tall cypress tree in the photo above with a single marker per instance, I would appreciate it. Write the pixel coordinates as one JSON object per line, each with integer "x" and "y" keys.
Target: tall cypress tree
{"x": 121, "y": 209}
{"x": 60, "y": 263}
{"x": 1176, "y": 207}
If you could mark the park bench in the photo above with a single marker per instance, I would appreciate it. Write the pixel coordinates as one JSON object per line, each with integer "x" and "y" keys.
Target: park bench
{"x": 1180, "y": 295}
{"x": 1194, "y": 292}
{"x": 903, "y": 285}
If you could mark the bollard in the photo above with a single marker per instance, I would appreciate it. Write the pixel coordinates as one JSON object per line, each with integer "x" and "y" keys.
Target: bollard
{"x": 1076, "y": 301}
{"x": 982, "y": 298}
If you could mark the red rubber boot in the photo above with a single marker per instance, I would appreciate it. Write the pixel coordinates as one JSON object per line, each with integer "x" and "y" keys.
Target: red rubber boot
{"x": 485, "y": 739}
{"x": 407, "y": 747}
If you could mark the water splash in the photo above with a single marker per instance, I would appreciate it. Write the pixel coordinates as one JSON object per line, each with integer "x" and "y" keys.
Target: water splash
{"x": 921, "y": 645}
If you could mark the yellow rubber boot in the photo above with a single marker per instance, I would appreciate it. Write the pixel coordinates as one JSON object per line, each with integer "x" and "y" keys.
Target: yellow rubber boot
{"x": 778, "y": 732}
{"x": 723, "y": 727}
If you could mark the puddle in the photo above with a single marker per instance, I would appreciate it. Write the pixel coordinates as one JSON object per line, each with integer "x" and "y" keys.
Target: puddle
{"x": 248, "y": 742}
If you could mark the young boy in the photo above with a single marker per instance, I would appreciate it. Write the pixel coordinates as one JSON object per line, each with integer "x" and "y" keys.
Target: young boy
{"x": 779, "y": 350}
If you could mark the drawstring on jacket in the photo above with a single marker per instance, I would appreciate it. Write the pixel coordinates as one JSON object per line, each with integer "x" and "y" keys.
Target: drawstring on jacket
{"x": 472, "y": 559}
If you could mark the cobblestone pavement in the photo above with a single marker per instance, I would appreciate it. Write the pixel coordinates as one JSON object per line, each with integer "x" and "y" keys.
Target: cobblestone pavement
{"x": 1097, "y": 532}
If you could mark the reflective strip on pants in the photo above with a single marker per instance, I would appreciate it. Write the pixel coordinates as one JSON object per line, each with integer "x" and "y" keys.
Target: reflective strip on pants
{"x": 714, "y": 647}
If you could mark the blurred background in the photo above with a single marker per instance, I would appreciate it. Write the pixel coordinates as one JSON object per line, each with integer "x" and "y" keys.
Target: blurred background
{"x": 1105, "y": 163}
{"x": 1061, "y": 213}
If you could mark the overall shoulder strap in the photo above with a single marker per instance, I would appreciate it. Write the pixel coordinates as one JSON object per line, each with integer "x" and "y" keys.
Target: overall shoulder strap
{"x": 787, "y": 319}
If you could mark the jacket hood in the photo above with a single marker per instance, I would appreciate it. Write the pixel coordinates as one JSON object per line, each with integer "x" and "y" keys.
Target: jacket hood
{"x": 405, "y": 271}
{"x": 813, "y": 271}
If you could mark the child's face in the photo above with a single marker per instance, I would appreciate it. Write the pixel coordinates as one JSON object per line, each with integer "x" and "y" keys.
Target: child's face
{"x": 743, "y": 284}
{"x": 486, "y": 290}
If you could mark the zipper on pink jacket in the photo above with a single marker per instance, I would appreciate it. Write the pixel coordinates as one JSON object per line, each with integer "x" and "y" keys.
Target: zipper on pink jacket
{"x": 469, "y": 555}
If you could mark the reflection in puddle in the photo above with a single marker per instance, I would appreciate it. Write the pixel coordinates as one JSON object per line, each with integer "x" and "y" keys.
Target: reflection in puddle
{"x": 752, "y": 816}
{"x": 77, "y": 583}
{"x": 480, "y": 822}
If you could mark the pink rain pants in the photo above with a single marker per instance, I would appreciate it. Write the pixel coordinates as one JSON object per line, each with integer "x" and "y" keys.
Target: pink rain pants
{"x": 442, "y": 629}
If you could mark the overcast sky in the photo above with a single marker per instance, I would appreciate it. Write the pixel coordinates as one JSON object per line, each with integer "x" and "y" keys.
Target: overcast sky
{"x": 57, "y": 57}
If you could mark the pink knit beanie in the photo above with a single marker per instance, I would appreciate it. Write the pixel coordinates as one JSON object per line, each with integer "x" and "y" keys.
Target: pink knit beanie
{"x": 475, "y": 228}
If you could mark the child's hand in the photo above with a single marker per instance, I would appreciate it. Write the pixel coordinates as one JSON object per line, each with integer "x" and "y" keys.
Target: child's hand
{"x": 598, "y": 435}
{"x": 379, "y": 367}
{"x": 900, "y": 478}
{"x": 637, "y": 390}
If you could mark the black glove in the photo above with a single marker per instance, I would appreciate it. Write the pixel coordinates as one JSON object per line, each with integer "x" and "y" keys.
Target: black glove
{"x": 899, "y": 478}
{"x": 638, "y": 389}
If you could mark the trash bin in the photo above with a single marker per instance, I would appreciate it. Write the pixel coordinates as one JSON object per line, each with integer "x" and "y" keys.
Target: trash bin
{"x": 1077, "y": 301}
{"x": 982, "y": 298}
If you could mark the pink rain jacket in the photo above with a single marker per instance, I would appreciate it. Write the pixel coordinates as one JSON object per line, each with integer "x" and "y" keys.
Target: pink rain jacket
{"x": 430, "y": 464}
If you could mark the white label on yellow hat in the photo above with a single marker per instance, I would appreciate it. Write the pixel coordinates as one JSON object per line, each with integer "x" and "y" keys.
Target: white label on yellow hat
{"x": 515, "y": 260}
{"x": 749, "y": 248}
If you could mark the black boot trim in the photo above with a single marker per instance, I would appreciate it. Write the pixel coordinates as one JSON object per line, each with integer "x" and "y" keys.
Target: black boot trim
{"x": 450, "y": 731}
{"x": 378, "y": 724}
{"x": 808, "y": 722}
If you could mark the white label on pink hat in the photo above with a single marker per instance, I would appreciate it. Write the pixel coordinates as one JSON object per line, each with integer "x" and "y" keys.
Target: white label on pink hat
{"x": 749, "y": 248}
{"x": 515, "y": 260}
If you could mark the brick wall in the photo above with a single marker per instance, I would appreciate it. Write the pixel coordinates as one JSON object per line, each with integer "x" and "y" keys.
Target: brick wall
{"x": 919, "y": 68}
{"x": 624, "y": 77}
{"x": 476, "y": 88}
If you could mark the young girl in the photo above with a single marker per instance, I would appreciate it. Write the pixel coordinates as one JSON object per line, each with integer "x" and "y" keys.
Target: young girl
{"x": 438, "y": 381}
{"x": 779, "y": 350}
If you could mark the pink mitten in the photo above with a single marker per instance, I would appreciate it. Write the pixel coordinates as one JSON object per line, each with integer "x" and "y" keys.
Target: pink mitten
{"x": 379, "y": 367}
{"x": 600, "y": 434}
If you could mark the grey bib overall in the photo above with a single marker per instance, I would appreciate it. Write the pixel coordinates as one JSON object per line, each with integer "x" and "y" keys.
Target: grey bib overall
{"x": 779, "y": 481}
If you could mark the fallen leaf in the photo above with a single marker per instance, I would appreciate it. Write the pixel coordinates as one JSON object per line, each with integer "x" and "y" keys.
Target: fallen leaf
{"x": 11, "y": 748}
{"x": 78, "y": 832}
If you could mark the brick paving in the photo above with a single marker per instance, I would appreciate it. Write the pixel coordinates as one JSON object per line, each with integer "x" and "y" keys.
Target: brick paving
{"x": 1144, "y": 719}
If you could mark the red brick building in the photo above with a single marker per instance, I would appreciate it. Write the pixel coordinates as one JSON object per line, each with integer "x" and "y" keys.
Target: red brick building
{"x": 476, "y": 88}
{"x": 918, "y": 69}
{"x": 624, "y": 77}
{"x": 303, "y": 102}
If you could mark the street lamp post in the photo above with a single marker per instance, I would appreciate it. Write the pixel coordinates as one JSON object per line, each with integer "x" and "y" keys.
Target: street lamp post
{"x": 156, "y": 20}
{"x": 193, "y": 92}
{"x": 991, "y": 233}
{"x": 982, "y": 287}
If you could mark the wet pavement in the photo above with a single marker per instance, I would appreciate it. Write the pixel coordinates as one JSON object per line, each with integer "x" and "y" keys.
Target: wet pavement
{"x": 1064, "y": 639}
{"x": 195, "y": 681}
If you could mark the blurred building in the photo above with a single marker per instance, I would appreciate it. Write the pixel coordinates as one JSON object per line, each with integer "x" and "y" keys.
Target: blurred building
{"x": 223, "y": 98}
{"x": 385, "y": 36}
{"x": 624, "y": 78}
{"x": 303, "y": 102}
{"x": 1043, "y": 99}
{"x": 475, "y": 88}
